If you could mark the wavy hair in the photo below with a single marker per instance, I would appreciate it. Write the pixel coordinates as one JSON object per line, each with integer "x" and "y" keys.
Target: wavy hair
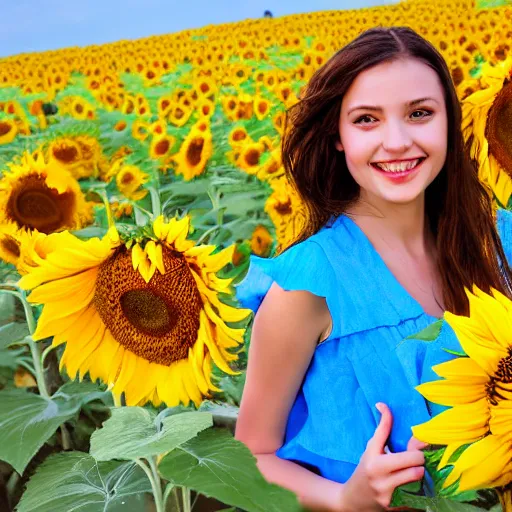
{"x": 459, "y": 208}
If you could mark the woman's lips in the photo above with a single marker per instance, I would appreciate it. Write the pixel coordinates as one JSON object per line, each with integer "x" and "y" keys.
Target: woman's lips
{"x": 399, "y": 176}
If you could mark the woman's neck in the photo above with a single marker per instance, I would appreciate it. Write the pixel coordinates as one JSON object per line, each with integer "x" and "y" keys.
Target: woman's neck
{"x": 402, "y": 226}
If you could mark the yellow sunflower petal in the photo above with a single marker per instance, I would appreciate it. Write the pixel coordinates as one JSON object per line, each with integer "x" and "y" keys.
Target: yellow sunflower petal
{"x": 461, "y": 424}
{"x": 480, "y": 463}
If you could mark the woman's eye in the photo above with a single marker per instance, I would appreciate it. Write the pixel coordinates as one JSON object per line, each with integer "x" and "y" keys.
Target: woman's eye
{"x": 422, "y": 113}
{"x": 364, "y": 120}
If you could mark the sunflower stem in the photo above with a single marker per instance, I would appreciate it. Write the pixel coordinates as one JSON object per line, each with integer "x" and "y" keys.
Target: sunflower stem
{"x": 156, "y": 205}
{"x": 46, "y": 351}
{"x": 117, "y": 399}
{"x": 106, "y": 202}
{"x": 155, "y": 484}
{"x": 35, "y": 348}
{"x": 65, "y": 437}
{"x": 168, "y": 491}
{"x": 185, "y": 494}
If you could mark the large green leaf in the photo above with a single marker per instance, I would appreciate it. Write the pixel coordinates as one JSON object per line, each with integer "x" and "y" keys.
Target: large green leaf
{"x": 135, "y": 432}
{"x": 74, "y": 481}
{"x": 217, "y": 465}
{"x": 28, "y": 420}
{"x": 12, "y": 333}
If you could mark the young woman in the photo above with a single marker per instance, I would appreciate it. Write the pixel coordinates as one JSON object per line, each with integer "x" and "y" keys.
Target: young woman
{"x": 399, "y": 224}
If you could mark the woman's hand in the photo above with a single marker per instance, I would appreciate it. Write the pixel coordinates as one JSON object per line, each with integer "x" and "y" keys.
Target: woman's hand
{"x": 379, "y": 472}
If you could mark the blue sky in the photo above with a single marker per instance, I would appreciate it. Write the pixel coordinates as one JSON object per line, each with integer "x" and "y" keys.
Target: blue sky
{"x": 35, "y": 25}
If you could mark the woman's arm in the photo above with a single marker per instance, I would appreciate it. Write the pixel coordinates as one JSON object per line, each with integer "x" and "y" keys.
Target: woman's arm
{"x": 284, "y": 336}
{"x": 285, "y": 333}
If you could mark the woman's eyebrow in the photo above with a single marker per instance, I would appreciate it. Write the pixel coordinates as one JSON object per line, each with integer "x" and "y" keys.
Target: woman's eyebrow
{"x": 379, "y": 109}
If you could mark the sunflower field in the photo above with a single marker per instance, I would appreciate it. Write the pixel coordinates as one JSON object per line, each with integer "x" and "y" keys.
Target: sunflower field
{"x": 136, "y": 179}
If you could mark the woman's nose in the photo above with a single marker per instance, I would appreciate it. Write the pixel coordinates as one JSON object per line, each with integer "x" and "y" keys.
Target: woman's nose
{"x": 396, "y": 138}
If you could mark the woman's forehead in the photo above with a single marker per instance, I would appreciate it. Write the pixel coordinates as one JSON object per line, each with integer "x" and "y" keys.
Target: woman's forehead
{"x": 393, "y": 83}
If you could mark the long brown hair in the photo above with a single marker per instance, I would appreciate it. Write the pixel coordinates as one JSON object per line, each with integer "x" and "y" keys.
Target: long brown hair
{"x": 458, "y": 206}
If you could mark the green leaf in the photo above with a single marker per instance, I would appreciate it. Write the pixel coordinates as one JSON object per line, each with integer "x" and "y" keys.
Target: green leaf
{"x": 12, "y": 333}
{"x": 217, "y": 465}
{"x": 455, "y": 352}
{"x": 224, "y": 415}
{"x": 135, "y": 432}
{"x": 430, "y": 333}
{"x": 74, "y": 481}
{"x": 9, "y": 357}
{"x": 28, "y": 420}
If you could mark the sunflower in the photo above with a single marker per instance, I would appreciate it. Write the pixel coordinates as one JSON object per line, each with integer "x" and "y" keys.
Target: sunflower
{"x": 261, "y": 107}
{"x": 479, "y": 390}
{"x": 79, "y": 108}
{"x": 8, "y": 131}
{"x": 179, "y": 114}
{"x": 144, "y": 318}
{"x": 37, "y": 194}
{"x": 140, "y": 130}
{"x": 250, "y": 157}
{"x": 487, "y": 117}
{"x": 161, "y": 146}
{"x": 120, "y": 125}
{"x": 238, "y": 136}
{"x": 65, "y": 152}
{"x": 129, "y": 179}
{"x": 194, "y": 153}
{"x": 272, "y": 167}
{"x": 164, "y": 104}
{"x": 206, "y": 108}
{"x": 261, "y": 241}
{"x": 286, "y": 210}
{"x": 10, "y": 242}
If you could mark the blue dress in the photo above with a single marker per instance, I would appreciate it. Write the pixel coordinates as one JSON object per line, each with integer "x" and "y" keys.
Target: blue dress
{"x": 365, "y": 359}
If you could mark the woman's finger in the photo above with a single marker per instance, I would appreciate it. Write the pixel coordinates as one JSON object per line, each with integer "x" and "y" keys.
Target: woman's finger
{"x": 404, "y": 476}
{"x": 393, "y": 462}
{"x": 416, "y": 444}
{"x": 382, "y": 432}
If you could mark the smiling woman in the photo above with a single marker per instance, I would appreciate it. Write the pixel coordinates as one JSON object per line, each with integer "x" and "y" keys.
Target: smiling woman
{"x": 398, "y": 226}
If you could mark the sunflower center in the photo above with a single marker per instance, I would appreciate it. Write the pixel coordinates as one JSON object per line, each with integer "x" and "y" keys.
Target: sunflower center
{"x": 157, "y": 321}
{"x": 11, "y": 246}
{"x": 66, "y": 154}
{"x": 252, "y": 157}
{"x": 147, "y": 311}
{"x": 504, "y": 370}
{"x": 5, "y": 128}
{"x": 162, "y": 147}
{"x": 35, "y": 205}
{"x": 127, "y": 178}
{"x": 194, "y": 151}
{"x": 498, "y": 130}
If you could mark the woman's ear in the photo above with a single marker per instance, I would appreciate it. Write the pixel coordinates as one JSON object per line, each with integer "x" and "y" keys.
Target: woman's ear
{"x": 338, "y": 145}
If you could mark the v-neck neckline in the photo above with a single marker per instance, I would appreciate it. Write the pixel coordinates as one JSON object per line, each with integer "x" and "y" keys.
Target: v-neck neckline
{"x": 396, "y": 288}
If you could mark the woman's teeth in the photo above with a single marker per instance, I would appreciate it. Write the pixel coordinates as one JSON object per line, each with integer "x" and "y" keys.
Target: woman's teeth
{"x": 399, "y": 166}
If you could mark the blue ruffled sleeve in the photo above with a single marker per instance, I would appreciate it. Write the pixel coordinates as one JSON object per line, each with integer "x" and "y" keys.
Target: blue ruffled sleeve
{"x": 304, "y": 266}
{"x": 504, "y": 225}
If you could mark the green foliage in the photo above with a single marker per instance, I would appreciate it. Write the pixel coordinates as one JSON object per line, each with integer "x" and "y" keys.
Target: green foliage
{"x": 218, "y": 466}
{"x": 430, "y": 333}
{"x": 12, "y": 333}
{"x": 144, "y": 433}
{"x": 76, "y": 481}
{"x": 29, "y": 420}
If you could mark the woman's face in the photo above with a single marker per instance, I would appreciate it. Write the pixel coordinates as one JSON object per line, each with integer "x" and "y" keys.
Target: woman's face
{"x": 393, "y": 130}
